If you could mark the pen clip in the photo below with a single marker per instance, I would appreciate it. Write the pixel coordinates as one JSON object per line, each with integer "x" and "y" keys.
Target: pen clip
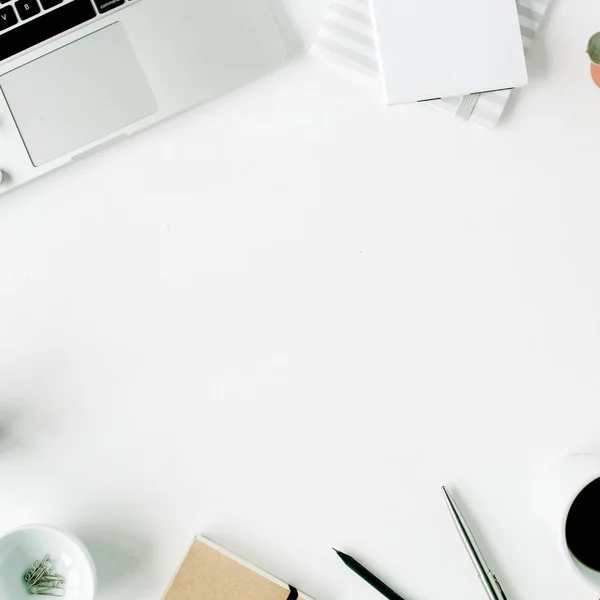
{"x": 499, "y": 587}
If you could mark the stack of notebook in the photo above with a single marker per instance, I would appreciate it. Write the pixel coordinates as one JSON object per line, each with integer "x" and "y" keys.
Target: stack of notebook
{"x": 463, "y": 57}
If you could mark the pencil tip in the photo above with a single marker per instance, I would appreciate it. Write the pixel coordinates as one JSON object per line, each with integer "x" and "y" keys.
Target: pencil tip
{"x": 336, "y": 550}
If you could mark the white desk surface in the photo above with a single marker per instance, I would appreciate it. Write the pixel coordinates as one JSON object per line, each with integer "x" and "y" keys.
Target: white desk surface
{"x": 284, "y": 320}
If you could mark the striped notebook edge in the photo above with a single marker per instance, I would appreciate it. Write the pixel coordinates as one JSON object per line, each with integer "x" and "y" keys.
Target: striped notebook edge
{"x": 347, "y": 38}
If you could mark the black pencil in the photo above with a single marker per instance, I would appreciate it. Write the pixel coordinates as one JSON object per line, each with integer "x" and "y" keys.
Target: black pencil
{"x": 371, "y": 579}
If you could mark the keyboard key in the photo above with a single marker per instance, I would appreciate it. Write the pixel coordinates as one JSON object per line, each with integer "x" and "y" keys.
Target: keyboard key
{"x": 46, "y": 4}
{"x": 8, "y": 17}
{"x": 27, "y": 8}
{"x": 46, "y": 27}
{"x": 106, "y": 5}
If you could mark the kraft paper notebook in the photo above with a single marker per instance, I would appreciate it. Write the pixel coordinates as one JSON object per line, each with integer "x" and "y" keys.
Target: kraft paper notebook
{"x": 434, "y": 49}
{"x": 209, "y": 572}
{"x": 347, "y": 38}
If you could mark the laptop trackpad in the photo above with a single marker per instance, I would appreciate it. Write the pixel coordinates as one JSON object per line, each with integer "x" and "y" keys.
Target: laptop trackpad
{"x": 78, "y": 94}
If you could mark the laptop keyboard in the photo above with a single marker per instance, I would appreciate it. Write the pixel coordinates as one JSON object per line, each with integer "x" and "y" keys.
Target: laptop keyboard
{"x": 27, "y": 23}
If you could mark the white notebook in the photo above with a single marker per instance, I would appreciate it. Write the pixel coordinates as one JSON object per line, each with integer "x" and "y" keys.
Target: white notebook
{"x": 346, "y": 38}
{"x": 430, "y": 49}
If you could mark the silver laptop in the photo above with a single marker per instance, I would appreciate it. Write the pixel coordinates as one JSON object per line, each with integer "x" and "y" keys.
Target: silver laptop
{"x": 77, "y": 75}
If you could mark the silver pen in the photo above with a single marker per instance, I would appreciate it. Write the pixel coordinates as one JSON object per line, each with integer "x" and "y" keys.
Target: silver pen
{"x": 488, "y": 579}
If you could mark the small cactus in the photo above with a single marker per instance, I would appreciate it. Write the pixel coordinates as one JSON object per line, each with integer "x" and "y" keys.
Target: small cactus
{"x": 593, "y": 51}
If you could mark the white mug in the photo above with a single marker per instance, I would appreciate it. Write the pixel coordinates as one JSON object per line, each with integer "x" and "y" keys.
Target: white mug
{"x": 562, "y": 482}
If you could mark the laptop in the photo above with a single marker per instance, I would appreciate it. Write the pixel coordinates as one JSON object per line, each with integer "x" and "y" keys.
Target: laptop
{"x": 78, "y": 75}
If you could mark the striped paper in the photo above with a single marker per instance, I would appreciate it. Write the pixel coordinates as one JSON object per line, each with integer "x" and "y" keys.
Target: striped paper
{"x": 347, "y": 38}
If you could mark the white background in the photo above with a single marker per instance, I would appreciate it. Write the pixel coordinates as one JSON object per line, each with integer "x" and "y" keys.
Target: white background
{"x": 287, "y": 318}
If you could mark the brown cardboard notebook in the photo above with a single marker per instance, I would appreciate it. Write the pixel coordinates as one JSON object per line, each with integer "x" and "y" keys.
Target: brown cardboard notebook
{"x": 210, "y": 572}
